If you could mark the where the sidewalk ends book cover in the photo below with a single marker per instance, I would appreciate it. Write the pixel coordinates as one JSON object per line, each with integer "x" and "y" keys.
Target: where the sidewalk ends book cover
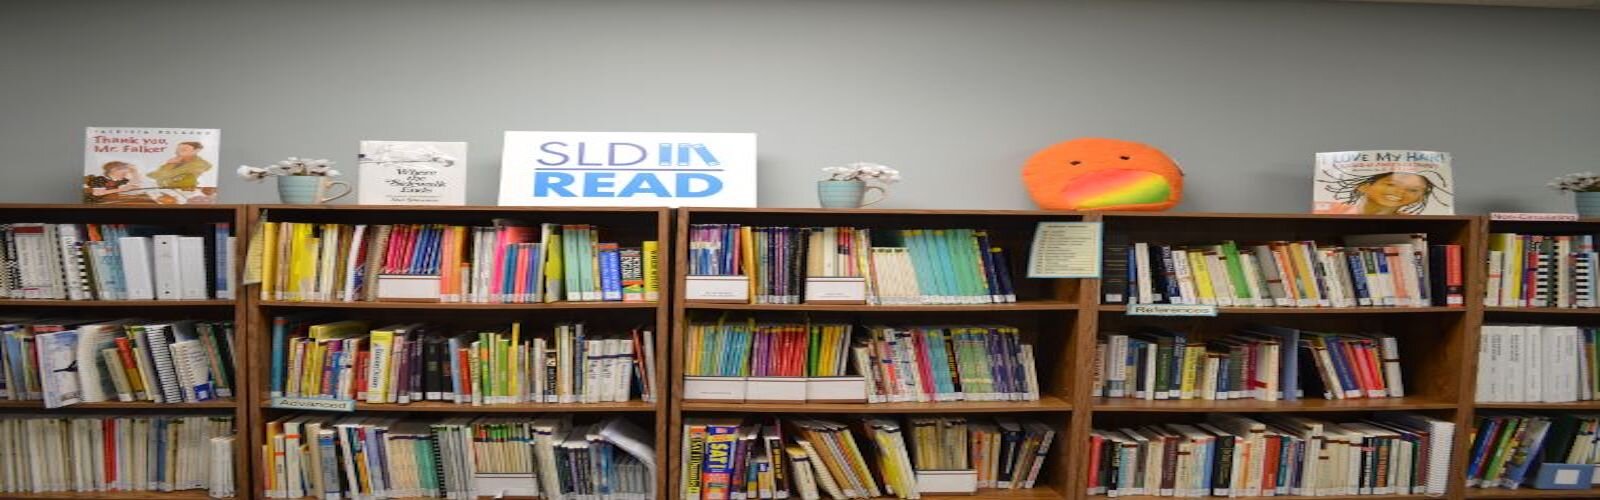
{"x": 413, "y": 173}
{"x": 161, "y": 166}
{"x": 1383, "y": 182}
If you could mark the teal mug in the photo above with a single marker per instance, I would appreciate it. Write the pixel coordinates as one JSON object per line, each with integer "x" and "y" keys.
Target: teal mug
{"x": 846, "y": 194}
{"x": 308, "y": 189}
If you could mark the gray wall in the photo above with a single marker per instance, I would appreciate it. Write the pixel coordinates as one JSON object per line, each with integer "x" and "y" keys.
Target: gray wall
{"x": 955, "y": 93}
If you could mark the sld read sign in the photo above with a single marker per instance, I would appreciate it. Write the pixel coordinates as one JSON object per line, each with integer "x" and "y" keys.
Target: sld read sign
{"x": 628, "y": 169}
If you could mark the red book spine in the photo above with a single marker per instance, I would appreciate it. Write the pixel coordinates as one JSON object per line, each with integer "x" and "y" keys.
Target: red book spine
{"x": 925, "y": 381}
{"x": 109, "y": 427}
{"x": 466, "y": 373}
{"x": 1094, "y": 464}
{"x": 359, "y": 386}
{"x": 1358, "y": 364}
{"x": 1455, "y": 293}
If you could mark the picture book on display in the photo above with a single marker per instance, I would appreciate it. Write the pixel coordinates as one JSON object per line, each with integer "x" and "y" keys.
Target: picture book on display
{"x": 162, "y": 166}
{"x": 1386, "y": 182}
{"x": 413, "y": 173}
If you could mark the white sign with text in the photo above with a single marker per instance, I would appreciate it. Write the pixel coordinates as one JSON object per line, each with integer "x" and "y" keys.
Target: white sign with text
{"x": 628, "y": 169}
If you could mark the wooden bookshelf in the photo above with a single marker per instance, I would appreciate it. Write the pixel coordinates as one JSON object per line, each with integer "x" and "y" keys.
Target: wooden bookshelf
{"x": 1526, "y": 492}
{"x": 1437, "y": 344}
{"x": 629, "y": 225}
{"x": 225, "y": 310}
{"x": 1048, "y": 311}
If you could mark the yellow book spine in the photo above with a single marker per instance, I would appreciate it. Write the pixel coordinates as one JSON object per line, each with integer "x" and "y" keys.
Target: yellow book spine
{"x": 311, "y": 380}
{"x": 1518, "y": 270}
{"x": 747, "y": 263}
{"x": 651, "y": 254}
{"x": 382, "y": 345}
{"x": 1192, "y": 355}
{"x": 1201, "y": 277}
{"x": 269, "y": 260}
{"x": 1301, "y": 257}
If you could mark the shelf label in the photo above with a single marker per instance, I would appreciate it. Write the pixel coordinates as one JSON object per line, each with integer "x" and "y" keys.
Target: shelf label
{"x": 1065, "y": 250}
{"x": 1171, "y": 310}
{"x": 1539, "y": 217}
{"x": 314, "y": 404}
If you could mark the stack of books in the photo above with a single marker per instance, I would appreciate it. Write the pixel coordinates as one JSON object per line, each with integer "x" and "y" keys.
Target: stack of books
{"x": 406, "y": 363}
{"x": 946, "y": 363}
{"x": 65, "y": 362}
{"x": 1538, "y": 364}
{"x": 105, "y": 453}
{"x": 873, "y": 457}
{"x": 1237, "y": 456}
{"x": 1508, "y": 449}
{"x": 1535, "y": 270}
{"x": 116, "y": 262}
{"x": 1259, "y": 362}
{"x": 509, "y": 262}
{"x": 911, "y": 266}
{"x": 1367, "y": 271}
{"x": 458, "y": 457}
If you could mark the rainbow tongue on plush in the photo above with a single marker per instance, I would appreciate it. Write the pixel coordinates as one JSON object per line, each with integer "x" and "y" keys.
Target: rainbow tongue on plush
{"x": 1116, "y": 187}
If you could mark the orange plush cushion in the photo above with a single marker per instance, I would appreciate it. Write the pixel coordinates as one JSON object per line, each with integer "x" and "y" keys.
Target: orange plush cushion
{"x": 1092, "y": 173}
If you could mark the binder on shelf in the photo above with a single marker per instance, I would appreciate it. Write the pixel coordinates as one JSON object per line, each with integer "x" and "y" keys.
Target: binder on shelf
{"x": 836, "y": 290}
{"x": 718, "y": 389}
{"x": 717, "y": 289}
{"x": 1554, "y": 476}
{"x": 775, "y": 390}
{"x": 947, "y": 482}
{"x": 852, "y": 389}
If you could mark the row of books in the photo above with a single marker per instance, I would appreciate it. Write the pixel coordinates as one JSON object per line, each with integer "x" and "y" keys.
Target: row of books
{"x": 1538, "y": 364}
{"x": 105, "y": 453}
{"x": 1261, "y": 362}
{"x": 898, "y": 363}
{"x": 509, "y": 262}
{"x": 116, "y": 262}
{"x": 911, "y": 266}
{"x": 1237, "y": 456}
{"x": 735, "y": 459}
{"x": 1536, "y": 270}
{"x": 65, "y": 362}
{"x": 328, "y": 457}
{"x": 1509, "y": 449}
{"x": 407, "y": 363}
{"x": 1369, "y": 270}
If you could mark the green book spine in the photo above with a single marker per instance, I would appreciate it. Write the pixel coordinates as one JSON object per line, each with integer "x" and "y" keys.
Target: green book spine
{"x": 1241, "y": 288}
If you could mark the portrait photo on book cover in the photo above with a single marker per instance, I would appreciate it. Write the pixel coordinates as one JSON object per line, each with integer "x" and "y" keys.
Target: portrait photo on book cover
{"x": 160, "y": 166}
{"x": 1389, "y": 182}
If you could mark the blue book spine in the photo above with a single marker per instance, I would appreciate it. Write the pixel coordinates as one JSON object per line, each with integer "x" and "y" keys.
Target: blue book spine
{"x": 280, "y": 327}
{"x": 1133, "y": 275}
{"x": 508, "y": 273}
{"x": 535, "y": 271}
{"x": 610, "y": 275}
{"x": 1341, "y": 366}
{"x": 1358, "y": 275}
{"x": 330, "y": 468}
{"x": 1180, "y": 348}
{"x": 1224, "y": 379}
{"x": 1173, "y": 295}
{"x": 219, "y": 260}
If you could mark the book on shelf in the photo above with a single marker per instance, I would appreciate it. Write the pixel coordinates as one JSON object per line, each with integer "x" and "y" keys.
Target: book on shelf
{"x": 806, "y": 458}
{"x": 1508, "y": 449}
{"x": 898, "y": 267}
{"x": 1260, "y": 362}
{"x": 1371, "y": 270}
{"x": 150, "y": 166}
{"x": 1231, "y": 455}
{"x": 407, "y": 363}
{"x": 111, "y": 453}
{"x": 1537, "y": 364}
{"x": 1540, "y": 270}
{"x": 898, "y": 363}
{"x": 116, "y": 262}
{"x": 323, "y": 456}
{"x": 509, "y": 262}
{"x": 65, "y": 362}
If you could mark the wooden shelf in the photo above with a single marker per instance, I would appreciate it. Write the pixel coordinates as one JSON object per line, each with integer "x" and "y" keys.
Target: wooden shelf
{"x": 221, "y": 404}
{"x": 1296, "y": 497}
{"x": 441, "y": 407}
{"x": 1312, "y": 310}
{"x": 115, "y": 303}
{"x": 1251, "y": 405}
{"x": 459, "y": 305}
{"x": 1531, "y": 493}
{"x": 1044, "y": 404}
{"x": 113, "y": 495}
{"x": 1039, "y": 492}
{"x": 1543, "y": 310}
{"x": 1032, "y": 305}
{"x": 1575, "y": 405}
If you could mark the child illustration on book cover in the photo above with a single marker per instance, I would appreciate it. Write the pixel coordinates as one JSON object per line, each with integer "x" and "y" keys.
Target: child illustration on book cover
{"x": 1383, "y": 183}
{"x": 150, "y": 166}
